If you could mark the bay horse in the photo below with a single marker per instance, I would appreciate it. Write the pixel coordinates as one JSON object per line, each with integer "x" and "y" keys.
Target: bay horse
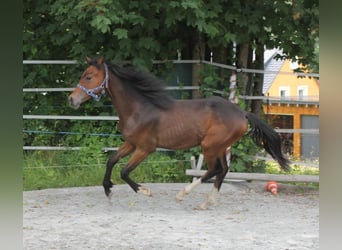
{"x": 150, "y": 118}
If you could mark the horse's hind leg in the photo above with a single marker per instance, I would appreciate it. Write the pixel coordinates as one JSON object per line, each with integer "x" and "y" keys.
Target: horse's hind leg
{"x": 222, "y": 166}
{"x": 180, "y": 196}
{"x": 214, "y": 167}
{"x": 124, "y": 150}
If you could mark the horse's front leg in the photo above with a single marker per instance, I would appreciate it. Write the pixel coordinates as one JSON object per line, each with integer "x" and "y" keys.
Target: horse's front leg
{"x": 125, "y": 149}
{"x": 137, "y": 157}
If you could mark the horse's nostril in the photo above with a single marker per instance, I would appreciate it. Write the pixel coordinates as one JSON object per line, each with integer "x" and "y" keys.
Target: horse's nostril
{"x": 71, "y": 100}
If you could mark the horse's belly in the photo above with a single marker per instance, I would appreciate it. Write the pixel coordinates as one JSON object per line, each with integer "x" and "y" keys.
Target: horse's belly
{"x": 177, "y": 138}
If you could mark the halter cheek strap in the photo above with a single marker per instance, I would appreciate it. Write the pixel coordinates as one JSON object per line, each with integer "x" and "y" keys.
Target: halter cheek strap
{"x": 102, "y": 86}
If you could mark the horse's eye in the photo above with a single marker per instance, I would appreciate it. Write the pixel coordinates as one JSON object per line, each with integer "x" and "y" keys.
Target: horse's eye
{"x": 88, "y": 78}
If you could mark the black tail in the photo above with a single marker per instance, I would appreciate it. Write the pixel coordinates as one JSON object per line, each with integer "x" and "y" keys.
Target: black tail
{"x": 265, "y": 136}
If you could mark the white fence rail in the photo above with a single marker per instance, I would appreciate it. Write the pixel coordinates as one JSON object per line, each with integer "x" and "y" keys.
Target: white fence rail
{"x": 115, "y": 118}
{"x": 50, "y": 62}
{"x": 63, "y": 148}
{"x": 71, "y": 117}
{"x": 231, "y": 67}
{"x": 71, "y": 89}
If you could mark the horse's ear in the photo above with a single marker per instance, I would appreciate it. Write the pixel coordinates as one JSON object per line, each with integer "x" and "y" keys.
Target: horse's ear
{"x": 100, "y": 60}
{"x": 88, "y": 59}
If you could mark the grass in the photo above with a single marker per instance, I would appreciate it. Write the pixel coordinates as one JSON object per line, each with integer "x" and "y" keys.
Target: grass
{"x": 55, "y": 177}
{"x": 273, "y": 168}
{"x": 55, "y": 170}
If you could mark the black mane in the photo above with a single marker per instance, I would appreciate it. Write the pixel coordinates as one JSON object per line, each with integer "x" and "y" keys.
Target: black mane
{"x": 145, "y": 84}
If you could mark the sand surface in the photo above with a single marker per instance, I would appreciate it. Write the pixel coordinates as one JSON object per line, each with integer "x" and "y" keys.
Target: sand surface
{"x": 246, "y": 217}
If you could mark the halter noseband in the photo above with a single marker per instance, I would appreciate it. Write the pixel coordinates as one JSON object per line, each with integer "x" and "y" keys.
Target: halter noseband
{"x": 102, "y": 86}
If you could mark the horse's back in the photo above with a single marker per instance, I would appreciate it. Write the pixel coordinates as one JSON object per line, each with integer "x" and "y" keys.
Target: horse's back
{"x": 190, "y": 121}
{"x": 220, "y": 108}
{"x": 213, "y": 108}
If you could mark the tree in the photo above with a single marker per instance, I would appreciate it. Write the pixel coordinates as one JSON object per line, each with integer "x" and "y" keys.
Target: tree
{"x": 143, "y": 31}
{"x": 290, "y": 25}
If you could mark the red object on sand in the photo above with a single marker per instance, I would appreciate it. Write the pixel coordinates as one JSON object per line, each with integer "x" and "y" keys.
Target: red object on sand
{"x": 272, "y": 186}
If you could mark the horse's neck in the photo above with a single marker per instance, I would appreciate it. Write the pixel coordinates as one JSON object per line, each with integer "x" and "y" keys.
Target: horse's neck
{"x": 124, "y": 104}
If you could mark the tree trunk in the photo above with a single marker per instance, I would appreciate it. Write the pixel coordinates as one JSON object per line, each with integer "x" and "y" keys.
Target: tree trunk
{"x": 248, "y": 90}
{"x": 256, "y": 106}
{"x": 242, "y": 51}
{"x": 223, "y": 55}
{"x": 198, "y": 54}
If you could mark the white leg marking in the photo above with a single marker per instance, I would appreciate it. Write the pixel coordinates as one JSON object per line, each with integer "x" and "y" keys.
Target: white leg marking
{"x": 211, "y": 200}
{"x": 145, "y": 191}
{"x": 180, "y": 196}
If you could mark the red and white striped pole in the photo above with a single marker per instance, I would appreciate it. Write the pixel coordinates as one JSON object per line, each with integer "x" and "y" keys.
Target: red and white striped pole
{"x": 232, "y": 87}
{"x": 235, "y": 100}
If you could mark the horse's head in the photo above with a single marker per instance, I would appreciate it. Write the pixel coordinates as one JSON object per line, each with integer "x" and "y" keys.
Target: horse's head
{"x": 92, "y": 84}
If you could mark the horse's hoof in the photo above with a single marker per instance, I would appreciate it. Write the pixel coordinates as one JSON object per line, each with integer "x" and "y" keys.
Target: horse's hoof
{"x": 144, "y": 190}
{"x": 180, "y": 196}
{"x": 108, "y": 193}
{"x": 203, "y": 206}
{"x": 107, "y": 185}
{"x": 178, "y": 200}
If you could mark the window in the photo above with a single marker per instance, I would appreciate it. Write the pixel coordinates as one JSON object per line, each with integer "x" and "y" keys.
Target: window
{"x": 302, "y": 92}
{"x": 284, "y": 92}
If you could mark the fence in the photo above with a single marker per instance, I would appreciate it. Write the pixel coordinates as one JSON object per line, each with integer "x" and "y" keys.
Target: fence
{"x": 196, "y": 171}
{"x": 193, "y": 172}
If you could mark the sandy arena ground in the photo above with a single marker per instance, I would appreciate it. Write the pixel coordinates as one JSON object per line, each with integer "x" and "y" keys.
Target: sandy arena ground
{"x": 246, "y": 217}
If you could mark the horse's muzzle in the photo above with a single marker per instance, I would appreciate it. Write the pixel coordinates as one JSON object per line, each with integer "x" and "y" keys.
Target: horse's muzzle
{"x": 74, "y": 103}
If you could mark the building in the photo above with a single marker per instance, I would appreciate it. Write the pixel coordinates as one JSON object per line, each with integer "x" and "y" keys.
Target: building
{"x": 292, "y": 103}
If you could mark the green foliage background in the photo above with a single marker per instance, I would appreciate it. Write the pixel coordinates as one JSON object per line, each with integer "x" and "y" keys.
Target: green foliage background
{"x": 140, "y": 32}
